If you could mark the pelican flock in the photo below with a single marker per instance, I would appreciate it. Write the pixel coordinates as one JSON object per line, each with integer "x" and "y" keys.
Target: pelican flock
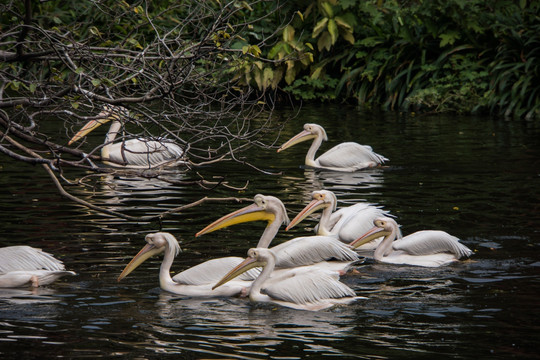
{"x": 299, "y": 273}
{"x": 24, "y": 265}
{"x": 347, "y": 156}
{"x": 140, "y": 153}
{"x": 309, "y": 250}
{"x": 430, "y": 248}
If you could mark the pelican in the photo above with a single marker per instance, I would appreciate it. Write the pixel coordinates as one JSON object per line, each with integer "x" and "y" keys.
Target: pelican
{"x": 303, "y": 288}
{"x": 296, "y": 252}
{"x": 196, "y": 281}
{"x": 141, "y": 153}
{"x": 347, "y": 223}
{"x": 25, "y": 265}
{"x": 348, "y": 156}
{"x": 429, "y": 248}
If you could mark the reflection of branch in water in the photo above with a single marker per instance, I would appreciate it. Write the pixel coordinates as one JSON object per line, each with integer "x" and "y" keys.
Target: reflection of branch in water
{"x": 74, "y": 198}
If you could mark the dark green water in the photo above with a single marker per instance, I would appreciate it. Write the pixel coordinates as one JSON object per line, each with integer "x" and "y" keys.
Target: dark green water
{"x": 476, "y": 178}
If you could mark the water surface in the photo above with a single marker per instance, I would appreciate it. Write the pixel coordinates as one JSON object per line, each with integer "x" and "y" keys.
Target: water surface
{"x": 476, "y": 178}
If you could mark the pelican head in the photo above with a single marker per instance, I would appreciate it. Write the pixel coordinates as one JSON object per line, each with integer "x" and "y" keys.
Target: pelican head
{"x": 322, "y": 199}
{"x": 311, "y": 131}
{"x": 156, "y": 243}
{"x": 256, "y": 258}
{"x": 384, "y": 226}
{"x": 109, "y": 112}
{"x": 268, "y": 208}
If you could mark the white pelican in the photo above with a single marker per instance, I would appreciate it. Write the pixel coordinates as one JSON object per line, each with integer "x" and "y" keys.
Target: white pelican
{"x": 430, "y": 248}
{"x": 296, "y": 252}
{"x": 24, "y": 265}
{"x": 196, "y": 281}
{"x": 347, "y": 223}
{"x": 138, "y": 153}
{"x": 348, "y": 156}
{"x": 304, "y": 288}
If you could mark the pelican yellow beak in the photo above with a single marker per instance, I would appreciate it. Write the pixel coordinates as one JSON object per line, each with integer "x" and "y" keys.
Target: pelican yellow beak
{"x": 247, "y": 264}
{"x": 91, "y": 126}
{"x": 313, "y": 206}
{"x": 252, "y": 212}
{"x": 146, "y": 252}
{"x": 302, "y": 136}
{"x": 374, "y": 233}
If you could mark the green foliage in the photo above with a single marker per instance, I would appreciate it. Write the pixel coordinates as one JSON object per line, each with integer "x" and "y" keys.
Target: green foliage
{"x": 308, "y": 88}
{"x": 515, "y": 66}
{"x": 438, "y": 55}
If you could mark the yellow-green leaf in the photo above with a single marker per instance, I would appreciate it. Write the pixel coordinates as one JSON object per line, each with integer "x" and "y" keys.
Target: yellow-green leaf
{"x": 327, "y": 9}
{"x": 316, "y": 73}
{"x": 333, "y": 30}
{"x": 306, "y": 59}
{"x": 268, "y": 75}
{"x": 342, "y": 23}
{"x": 96, "y": 82}
{"x": 290, "y": 75}
{"x": 288, "y": 33}
{"x": 278, "y": 74}
{"x": 347, "y": 35}
{"x": 258, "y": 76}
{"x": 259, "y": 64}
{"x": 321, "y": 25}
{"x": 325, "y": 41}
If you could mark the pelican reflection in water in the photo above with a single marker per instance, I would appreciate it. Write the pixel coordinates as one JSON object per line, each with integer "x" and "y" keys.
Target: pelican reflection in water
{"x": 25, "y": 265}
{"x": 348, "y": 156}
{"x": 430, "y": 248}
{"x": 140, "y": 153}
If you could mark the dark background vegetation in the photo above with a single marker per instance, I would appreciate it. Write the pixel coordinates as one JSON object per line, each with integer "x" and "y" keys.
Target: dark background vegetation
{"x": 461, "y": 56}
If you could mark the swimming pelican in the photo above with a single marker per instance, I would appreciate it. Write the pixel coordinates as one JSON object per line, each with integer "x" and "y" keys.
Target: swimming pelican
{"x": 348, "y": 156}
{"x": 303, "y": 288}
{"x": 24, "y": 265}
{"x": 196, "y": 281}
{"x": 296, "y": 252}
{"x": 141, "y": 153}
{"x": 430, "y": 248}
{"x": 347, "y": 223}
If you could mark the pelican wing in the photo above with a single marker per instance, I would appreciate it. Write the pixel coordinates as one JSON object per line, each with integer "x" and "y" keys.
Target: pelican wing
{"x": 211, "y": 271}
{"x": 310, "y": 250}
{"x": 302, "y": 287}
{"x": 427, "y": 242}
{"x": 356, "y": 220}
{"x": 144, "y": 153}
{"x": 18, "y": 258}
{"x": 350, "y": 155}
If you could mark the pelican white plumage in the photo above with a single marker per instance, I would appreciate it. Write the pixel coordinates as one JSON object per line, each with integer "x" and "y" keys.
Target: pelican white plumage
{"x": 196, "y": 281}
{"x": 296, "y": 252}
{"x": 429, "y": 248}
{"x": 25, "y": 265}
{"x": 347, "y": 223}
{"x": 303, "y": 288}
{"x": 347, "y": 156}
{"x": 140, "y": 153}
